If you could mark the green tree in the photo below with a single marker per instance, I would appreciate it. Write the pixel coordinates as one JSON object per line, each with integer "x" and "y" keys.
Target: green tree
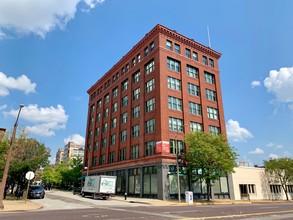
{"x": 28, "y": 155}
{"x": 208, "y": 157}
{"x": 280, "y": 171}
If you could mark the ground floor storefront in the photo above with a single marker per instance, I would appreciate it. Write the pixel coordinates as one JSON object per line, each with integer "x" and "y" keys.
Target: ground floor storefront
{"x": 161, "y": 181}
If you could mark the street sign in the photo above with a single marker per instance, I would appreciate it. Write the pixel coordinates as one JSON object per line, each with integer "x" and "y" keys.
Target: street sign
{"x": 29, "y": 175}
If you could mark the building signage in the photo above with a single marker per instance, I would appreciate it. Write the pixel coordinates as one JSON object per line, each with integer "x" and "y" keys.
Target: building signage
{"x": 162, "y": 147}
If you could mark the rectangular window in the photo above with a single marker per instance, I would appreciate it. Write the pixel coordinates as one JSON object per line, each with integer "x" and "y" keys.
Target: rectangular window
{"x": 290, "y": 188}
{"x": 111, "y": 157}
{"x": 113, "y": 139}
{"x": 175, "y": 124}
{"x": 127, "y": 67}
{"x": 122, "y": 71}
{"x": 194, "y": 56}
{"x": 97, "y": 131}
{"x": 136, "y": 77}
{"x": 124, "y": 85}
{"x": 104, "y": 142}
{"x": 150, "y": 148}
{"x": 123, "y": 136}
{"x": 194, "y": 108}
{"x": 169, "y": 45}
{"x": 113, "y": 123}
{"x": 135, "y": 131}
{"x": 211, "y": 95}
{"x": 106, "y": 112}
{"x": 193, "y": 89}
{"x": 102, "y": 159}
{"x": 152, "y": 46}
{"x": 136, "y": 112}
{"x": 174, "y": 103}
{"x": 187, "y": 53}
{"x": 122, "y": 154}
{"x": 150, "y": 105}
{"x": 173, "y": 64}
{"x": 115, "y": 92}
{"x": 134, "y": 152}
{"x": 146, "y": 51}
{"x": 212, "y": 113}
{"x": 124, "y": 101}
{"x": 177, "y": 48}
{"x": 174, "y": 83}
{"x": 211, "y": 63}
{"x": 115, "y": 107}
{"x": 124, "y": 118}
{"x": 150, "y": 126}
{"x": 138, "y": 58}
{"x": 136, "y": 94}
{"x": 192, "y": 71}
{"x": 99, "y": 104}
{"x": 105, "y": 127}
{"x": 150, "y": 85}
{"x": 176, "y": 144}
{"x": 209, "y": 78}
{"x": 106, "y": 99}
{"x": 275, "y": 188}
{"x": 214, "y": 129}
{"x": 133, "y": 62}
{"x": 93, "y": 108}
{"x": 204, "y": 60}
{"x": 96, "y": 147}
{"x": 149, "y": 67}
{"x": 194, "y": 126}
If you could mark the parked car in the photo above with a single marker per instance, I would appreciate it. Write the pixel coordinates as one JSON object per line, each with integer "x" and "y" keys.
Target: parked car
{"x": 77, "y": 190}
{"x": 36, "y": 192}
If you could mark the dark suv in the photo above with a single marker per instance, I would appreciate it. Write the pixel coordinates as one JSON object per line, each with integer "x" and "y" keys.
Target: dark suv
{"x": 36, "y": 192}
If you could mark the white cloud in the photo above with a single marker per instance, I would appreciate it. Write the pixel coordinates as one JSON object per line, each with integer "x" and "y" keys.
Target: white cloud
{"x": 236, "y": 133}
{"x": 37, "y": 16}
{"x": 287, "y": 154}
{"x": 257, "y": 151}
{"x": 45, "y": 121}
{"x": 273, "y": 156}
{"x": 270, "y": 144}
{"x": 3, "y": 107}
{"x": 275, "y": 146}
{"x": 76, "y": 138}
{"x": 255, "y": 83}
{"x": 280, "y": 84}
{"x": 22, "y": 83}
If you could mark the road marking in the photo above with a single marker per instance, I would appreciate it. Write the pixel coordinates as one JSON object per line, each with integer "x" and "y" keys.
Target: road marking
{"x": 239, "y": 215}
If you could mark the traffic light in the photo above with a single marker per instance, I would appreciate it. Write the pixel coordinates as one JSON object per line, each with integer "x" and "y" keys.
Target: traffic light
{"x": 179, "y": 159}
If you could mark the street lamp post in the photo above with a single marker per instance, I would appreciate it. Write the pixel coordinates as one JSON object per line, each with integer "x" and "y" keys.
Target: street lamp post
{"x": 8, "y": 159}
{"x": 177, "y": 163}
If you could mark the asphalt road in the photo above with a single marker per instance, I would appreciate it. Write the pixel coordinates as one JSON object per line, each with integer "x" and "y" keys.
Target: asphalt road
{"x": 65, "y": 206}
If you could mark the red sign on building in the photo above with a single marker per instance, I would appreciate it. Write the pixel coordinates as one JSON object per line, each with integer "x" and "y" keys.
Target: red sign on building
{"x": 162, "y": 147}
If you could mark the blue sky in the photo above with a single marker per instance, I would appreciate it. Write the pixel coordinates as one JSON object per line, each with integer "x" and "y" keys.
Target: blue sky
{"x": 52, "y": 51}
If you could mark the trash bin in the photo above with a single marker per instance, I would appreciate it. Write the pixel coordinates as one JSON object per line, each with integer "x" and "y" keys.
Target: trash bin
{"x": 189, "y": 197}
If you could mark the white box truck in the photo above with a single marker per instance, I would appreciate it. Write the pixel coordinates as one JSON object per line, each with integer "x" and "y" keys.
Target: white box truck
{"x": 100, "y": 186}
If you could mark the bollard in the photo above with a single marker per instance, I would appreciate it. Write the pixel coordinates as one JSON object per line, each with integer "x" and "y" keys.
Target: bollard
{"x": 125, "y": 196}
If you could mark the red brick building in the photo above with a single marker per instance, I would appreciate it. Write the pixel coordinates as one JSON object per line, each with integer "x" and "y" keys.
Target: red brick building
{"x": 166, "y": 85}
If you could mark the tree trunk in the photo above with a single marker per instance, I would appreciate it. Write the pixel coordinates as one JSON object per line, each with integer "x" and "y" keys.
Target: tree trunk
{"x": 208, "y": 189}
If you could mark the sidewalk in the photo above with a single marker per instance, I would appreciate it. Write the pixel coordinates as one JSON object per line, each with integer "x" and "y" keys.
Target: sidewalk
{"x": 19, "y": 206}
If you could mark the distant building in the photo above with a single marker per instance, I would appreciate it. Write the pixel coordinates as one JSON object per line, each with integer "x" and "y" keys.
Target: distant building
{"x": 253, "y": 183}
{"x": 138, "y": 112}
{"x": 59, "y": 156}
{"x": 72, "y": 150}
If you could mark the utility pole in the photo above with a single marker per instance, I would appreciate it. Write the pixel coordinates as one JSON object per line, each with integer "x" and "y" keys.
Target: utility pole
{"x": 178, "y": 160}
